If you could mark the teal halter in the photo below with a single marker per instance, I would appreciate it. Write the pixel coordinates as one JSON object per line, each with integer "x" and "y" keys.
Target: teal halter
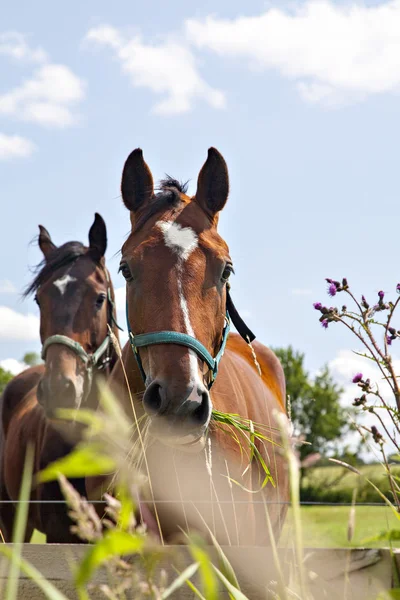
{"x": 89, "y": 360}
{"x": 182, "y": 339}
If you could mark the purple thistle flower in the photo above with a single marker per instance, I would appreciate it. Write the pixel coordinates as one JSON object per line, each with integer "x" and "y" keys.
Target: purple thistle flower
{"x": 357, "y": 377}
{"x": 381, "y": 295}
{"x": 317, "y": 305}
{"x": 388, "y": 340}
{"x": 332, "y": 289}
{"x": 324, "y": 323}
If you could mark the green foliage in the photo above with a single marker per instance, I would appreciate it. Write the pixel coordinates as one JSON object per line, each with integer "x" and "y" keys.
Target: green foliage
{"x": 5, "y": 377}
{"x": 87, "y": 460}
{"x": 114, "y": 543}
{"x": 315, "y": 408}
{"x": 32, "y": 359}
{"x": 336, "y": 484}
{"x": 390, "y": 595}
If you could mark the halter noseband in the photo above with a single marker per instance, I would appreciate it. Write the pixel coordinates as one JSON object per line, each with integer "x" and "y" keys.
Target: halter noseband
{"x": 183, "y": 339}
{"x": 89, "y": 360}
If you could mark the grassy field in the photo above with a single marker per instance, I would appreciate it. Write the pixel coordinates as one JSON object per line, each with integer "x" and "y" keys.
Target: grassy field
{"x": 326, "y": 526}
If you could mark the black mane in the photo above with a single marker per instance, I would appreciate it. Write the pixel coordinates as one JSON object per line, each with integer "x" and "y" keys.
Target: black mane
{"x": 168, "y": 196}
{"x": 60, "y": 257}
{"x": 169, "y": 184}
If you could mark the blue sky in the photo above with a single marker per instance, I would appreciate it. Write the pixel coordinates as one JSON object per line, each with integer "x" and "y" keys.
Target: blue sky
{"x": 301, "y": 99}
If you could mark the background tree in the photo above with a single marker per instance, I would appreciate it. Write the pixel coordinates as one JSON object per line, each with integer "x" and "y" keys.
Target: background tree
{"x": 5, "y": 377}
{"x": 316, "y": 412}
{"x": 32, "y": 359}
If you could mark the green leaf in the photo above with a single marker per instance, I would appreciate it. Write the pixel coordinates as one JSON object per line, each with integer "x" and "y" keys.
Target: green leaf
{"x": 180, "y": 580}
{"x": 235, "y": 593}
{"x": 390, "y": 535}
{"x": 114, "y": 543}
{"x": 48, "y": 589}
{"x": 127, "y": 509}
{"x": 85, "y": 461}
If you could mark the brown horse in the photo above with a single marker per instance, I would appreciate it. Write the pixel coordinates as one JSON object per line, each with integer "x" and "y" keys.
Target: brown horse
{"x": 76, "y": 299}
{"x": 177, "y": 267}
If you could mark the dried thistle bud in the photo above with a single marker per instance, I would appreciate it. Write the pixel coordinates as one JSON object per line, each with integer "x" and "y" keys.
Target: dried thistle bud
{"x": 364, "y": 303}
{"x": 360, "y": 401}
{"x": 376, "y": 435}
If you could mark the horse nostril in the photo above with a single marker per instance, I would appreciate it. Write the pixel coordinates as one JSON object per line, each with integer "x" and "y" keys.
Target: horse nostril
{"x": 153, "y": 399}
{"x": 201, "y": 414}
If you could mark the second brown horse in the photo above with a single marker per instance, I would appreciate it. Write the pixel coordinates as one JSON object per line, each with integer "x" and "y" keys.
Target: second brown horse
{"x": 76, "y": 300}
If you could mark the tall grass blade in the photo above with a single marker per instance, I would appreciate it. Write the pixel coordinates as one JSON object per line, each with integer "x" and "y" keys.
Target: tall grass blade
{"x": 233, "y": 591}
{"x": 21, "y": 519}
{"x": 180, "y": 580}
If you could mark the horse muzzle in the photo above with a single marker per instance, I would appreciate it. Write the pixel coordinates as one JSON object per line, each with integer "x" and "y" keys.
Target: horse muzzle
{"x": 177, "y": 417}
{"x": 60, "y": 392}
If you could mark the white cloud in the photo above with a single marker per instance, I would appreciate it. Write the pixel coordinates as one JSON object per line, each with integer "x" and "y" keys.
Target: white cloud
{"x": 15, "y": 146}
{"x": 343, "y": 368}
{"x": 167, "y": 68}
{"x": 47, "y": 98}
{"x": 12, "y": 365}
{"x": 14, "y": 44}
{"x": 16, "y": 326}
{"x": 7, "y": 286}
{"x": 120, "y": 296}
{"x": 336, "y": 53}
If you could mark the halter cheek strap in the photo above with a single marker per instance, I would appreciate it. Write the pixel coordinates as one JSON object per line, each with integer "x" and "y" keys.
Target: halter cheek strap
{"x": 183, "y": 339}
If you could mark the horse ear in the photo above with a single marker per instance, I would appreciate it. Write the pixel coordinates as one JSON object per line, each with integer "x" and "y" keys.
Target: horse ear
{"x": 213, "y": 183}
{"x": 98, "y": 236}
{"x": 137, "y": 181}
{"x": 45, "y": 242}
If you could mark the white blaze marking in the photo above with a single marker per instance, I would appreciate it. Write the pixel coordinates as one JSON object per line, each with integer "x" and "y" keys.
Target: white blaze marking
{"x": 62, "y": 283}
{"x": 182, "y": 241}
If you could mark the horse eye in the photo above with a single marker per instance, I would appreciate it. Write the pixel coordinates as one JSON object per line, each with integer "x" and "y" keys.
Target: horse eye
{"x": 100, "y": 299}
{"x": 125, "y": 270}
{"x": 227, "y": 273}
{"x": 36, "y": 300}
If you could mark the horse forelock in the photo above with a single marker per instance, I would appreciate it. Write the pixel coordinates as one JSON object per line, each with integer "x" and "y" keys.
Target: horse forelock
{"x": 60, "y": 257}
